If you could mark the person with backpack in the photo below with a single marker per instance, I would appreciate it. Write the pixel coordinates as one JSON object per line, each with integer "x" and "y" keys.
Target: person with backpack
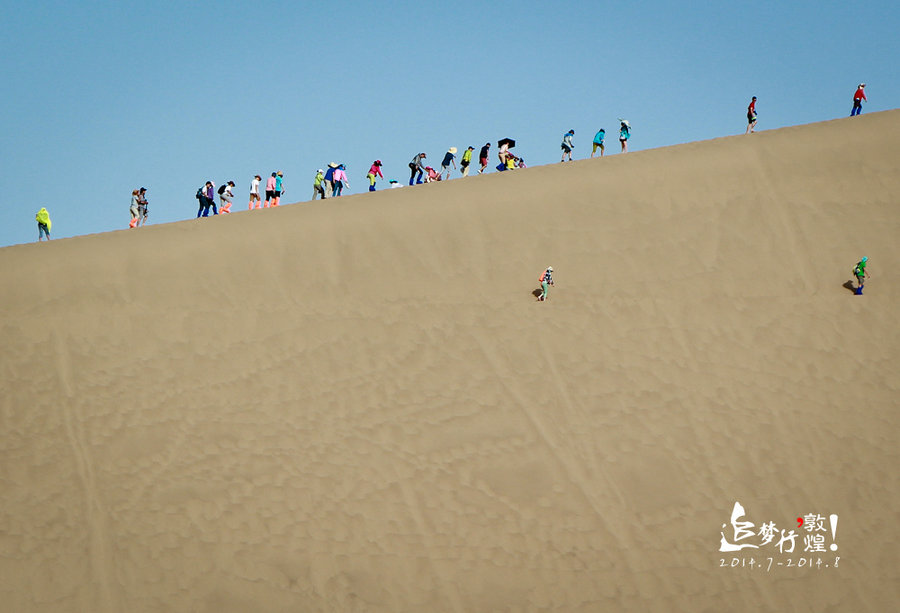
{"x": 417, "y": 166}
{"x": 270, "y": 190}
{"x": 858, "y": 97}
{"x": 624, "y": 134}
{"x": 567, "y": 145}
{"x": 598, "y": 142}
{"x": 43, "y": 222}
{"x": 206, "y": 195}
{"x": 861, "y": 273}
{"x": 254, "y": 193}
{"x": 374, "y": 171}
{"x": 318, "y": 190}
{"x": 279, "y": 188}
{"x": 225, "y": 196}
{"x": 465, "y": 161}
{"x": 546, "y": 281}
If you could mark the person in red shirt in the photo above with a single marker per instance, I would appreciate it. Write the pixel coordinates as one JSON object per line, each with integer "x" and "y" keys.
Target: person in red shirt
{"x": 751, "y": 116}
{"x": 858, "y": 97}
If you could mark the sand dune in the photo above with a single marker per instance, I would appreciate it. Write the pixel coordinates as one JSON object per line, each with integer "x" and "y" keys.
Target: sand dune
{"x": 357, "y": 405}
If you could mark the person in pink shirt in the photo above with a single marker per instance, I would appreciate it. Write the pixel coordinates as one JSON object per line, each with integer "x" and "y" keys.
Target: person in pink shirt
{"x": 374, "y": 171}
{"x": 858, "y": 97}
{"x": 431, "y": 175}
{"x": 340, "y": 180}
{"x": 270, "y": 190}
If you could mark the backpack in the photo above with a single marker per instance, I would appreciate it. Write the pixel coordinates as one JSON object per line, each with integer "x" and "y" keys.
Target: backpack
{"x": 199, "y": 193}
{"x": 543, "y": 274}
{"x": 222, "y": 189}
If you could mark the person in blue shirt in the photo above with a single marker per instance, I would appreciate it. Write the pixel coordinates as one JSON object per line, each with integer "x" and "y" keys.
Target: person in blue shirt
{"x": 624, "y": 134}
{"x": 279, "y": 187}
{"x": 598, "y": 142}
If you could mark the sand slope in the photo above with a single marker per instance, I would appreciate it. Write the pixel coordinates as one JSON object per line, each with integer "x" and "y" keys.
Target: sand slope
{"x": 357, "y": 405}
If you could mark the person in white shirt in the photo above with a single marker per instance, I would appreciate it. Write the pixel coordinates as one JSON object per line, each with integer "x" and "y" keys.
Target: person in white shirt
{"x": 254, "y": 193}
{"x": 225, "y": 197}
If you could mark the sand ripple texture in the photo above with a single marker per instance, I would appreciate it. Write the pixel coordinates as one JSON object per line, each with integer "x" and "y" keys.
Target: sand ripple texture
{"x": 359, "y": 406}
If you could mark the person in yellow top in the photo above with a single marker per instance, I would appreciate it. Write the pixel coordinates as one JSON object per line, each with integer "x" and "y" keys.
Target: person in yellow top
{"x": 43, "y": 221}
{"x": 466, "y": 160}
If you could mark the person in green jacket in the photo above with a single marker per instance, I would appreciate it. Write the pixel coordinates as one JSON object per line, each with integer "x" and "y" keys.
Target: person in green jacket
{"x": 43, "y": 222}
{"x": 466, "y": 160}
{"x": 318, "y": 185}
{"x": 860, "y": 271}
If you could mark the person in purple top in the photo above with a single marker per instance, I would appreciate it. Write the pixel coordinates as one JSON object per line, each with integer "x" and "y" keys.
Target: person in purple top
{"x": 206, "y": 196}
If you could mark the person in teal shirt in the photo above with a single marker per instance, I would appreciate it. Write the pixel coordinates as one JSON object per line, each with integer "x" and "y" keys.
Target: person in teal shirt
{"x": 279, "y": 189}
{"x": 624, "y": 134}
{"x": 598, "y": 142}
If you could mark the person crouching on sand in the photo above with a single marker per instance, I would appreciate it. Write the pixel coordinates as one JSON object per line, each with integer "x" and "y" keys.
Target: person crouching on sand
{"x": 546, "y": 281}
{"x": 43, "y": 222}
{"x": 431, "y": 175}
{"x": 374, "y": 171}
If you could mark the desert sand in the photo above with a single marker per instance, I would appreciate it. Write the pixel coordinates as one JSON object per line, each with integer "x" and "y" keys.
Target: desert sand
{"x": 357, "y": 404}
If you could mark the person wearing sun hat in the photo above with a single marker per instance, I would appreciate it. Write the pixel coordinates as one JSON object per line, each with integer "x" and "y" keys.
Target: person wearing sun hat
{"x": 861, "y": 273}
{"x": 546, "y": 281}
{"x": 449, "y": 158}
{"x": 374, "y": 171}
{"x": 858, "y": 97}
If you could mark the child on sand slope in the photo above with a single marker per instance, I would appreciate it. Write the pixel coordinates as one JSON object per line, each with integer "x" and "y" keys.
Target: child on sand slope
{"x": 860, "y": 272}
{"x": 546, "y": 281}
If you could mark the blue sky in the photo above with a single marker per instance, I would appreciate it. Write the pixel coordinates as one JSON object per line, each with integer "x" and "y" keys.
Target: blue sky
{"x": 102, "y": 97}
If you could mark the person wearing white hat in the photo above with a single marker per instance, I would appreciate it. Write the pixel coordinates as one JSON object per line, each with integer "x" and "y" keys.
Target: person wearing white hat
{"x": 546, "y": 281}
{"x": 624, "y": 134}
{"x": 318, "y": 188}
{"x": 858, "y": 97}
{"x": 449, "y": 158}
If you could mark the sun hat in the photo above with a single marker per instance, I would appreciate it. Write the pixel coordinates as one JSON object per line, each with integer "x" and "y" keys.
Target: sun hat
{"x": 279, "y": 174}
{"x": 550, "y": 268}
{"x": 319, "y": 170}
{"x": 333, "y": 165}
{"x": 378, "y": 162}
{"x": 451, "y": 150}
{"x": 865, "y": 259}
